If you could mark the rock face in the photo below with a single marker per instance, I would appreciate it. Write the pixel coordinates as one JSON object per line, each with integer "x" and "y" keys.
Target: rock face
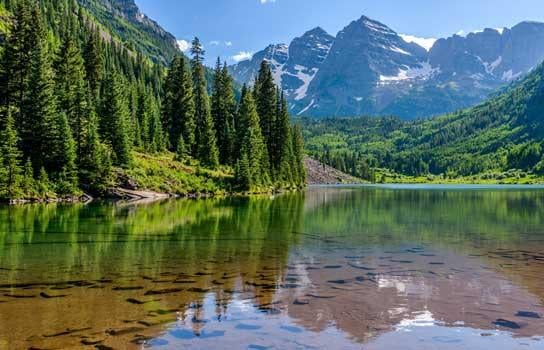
{"x": 321, "y": 174}
{"x": 370, "y": 69}
{"x": 294, "y": 66}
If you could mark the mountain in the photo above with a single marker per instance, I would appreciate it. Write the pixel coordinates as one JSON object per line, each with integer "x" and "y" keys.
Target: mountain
{"x": 123, "y": 19}
{"x": 369, "y": 69}
{"x": 294, "y": 66}
{"x": 500, "y": 138}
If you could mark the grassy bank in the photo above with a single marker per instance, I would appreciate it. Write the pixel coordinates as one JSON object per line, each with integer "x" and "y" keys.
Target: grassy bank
{"x": 513, "y": 177}
{"x": 158, "y": 173}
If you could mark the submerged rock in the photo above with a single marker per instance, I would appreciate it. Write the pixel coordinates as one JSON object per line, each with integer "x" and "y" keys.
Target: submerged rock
{"x": 123, "y": 331}
{"x": 47, "y": 296}
{"x": 126, "y": 288}
{"x": 164, "y": 291}
{"x": 528, "y": 314}
{"x": 507, "y": 324}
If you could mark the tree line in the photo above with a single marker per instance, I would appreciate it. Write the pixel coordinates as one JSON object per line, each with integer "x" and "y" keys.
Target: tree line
{"x": 75, "y": 104}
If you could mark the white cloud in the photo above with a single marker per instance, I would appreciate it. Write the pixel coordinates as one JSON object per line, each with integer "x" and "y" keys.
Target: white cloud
{"x": 183, "y": 45}
{"x": 266, "y": 1}
{"x": 214, "y": 42}
{"x": 242, "y": 56}
{"x": 426, "y": 43}
{"x": 228, "y": 43}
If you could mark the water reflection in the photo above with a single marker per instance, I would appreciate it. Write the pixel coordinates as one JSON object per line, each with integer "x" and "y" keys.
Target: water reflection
{"x": 333, "y": 268}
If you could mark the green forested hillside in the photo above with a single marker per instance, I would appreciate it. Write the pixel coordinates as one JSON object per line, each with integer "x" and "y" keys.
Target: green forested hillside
{"x": 84, "y": 109}
{"x": 499, "y": 138}
{"x": 123, "y": 20}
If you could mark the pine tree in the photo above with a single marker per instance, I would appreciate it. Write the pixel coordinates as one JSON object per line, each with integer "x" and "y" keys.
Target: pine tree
{"x": 178, "y": 113}
{"x": 93, "y": 58}
{"x": 72, "y": 89}
{"x": 115, "y": 119}
{"x": 253, "y": 147}
{"x": 265, "y": 97}
{"x": 223, "y": 110}
{"x": 37, "y": 127}
{"x": 207, "y": 152}
{"x": 11, "y": 161}
{"x": 287, "y": 173}
{"x": 95, "y": 165}
{"x": 28, "y": 184}
{"x": 298, "y": 152}
{"x": 43, "y": 185}
{"x": 181, "y": 152}
{"x": 242, "y": 174}
{"x": 63, "y": 155}
{"x": 15, "y": 69}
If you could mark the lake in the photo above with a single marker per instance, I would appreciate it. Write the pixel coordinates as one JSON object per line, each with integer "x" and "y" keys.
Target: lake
{"x": 347, "y": 267}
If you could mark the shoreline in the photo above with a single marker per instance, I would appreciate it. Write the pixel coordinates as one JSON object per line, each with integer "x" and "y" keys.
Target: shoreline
{"x": 123, "y": 195}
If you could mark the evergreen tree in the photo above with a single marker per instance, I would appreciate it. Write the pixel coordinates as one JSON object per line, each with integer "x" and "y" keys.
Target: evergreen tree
{"x": 43, "y": 185}
{"x": 92, "y": 55}
{"x": 114, "y": 121}
{"x": 253, "y": 147}
{"x": 10, "y": 155}
{"x": 223, "y": 111}
{"x": 286, "y": 171}
{"x": 15, "y": 69}
{"x": 63, "y": 155}
{"x": 95, "y": 165}
{"x": 72, "y": 89}
{"x": 181, "y": 152}
{"x": 298, "y": 152}
{"x": 37, "y": 127}
{"x": 207, "y": 152}
{"x": 178, "y": 113}
{"x": 265, "y": 97}
{"x": 242, "y": 174}
{"x": 28, "y": 184}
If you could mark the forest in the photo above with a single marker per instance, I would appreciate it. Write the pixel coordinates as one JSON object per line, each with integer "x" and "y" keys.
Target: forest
{"x": 499, "y": 140}
{"x": 80, "y": 111}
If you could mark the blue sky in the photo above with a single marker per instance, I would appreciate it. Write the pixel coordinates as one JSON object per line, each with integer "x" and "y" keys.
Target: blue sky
{"x": 236, "y": 28}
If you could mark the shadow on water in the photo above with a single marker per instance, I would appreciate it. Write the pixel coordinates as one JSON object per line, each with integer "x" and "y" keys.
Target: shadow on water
{"x": 331, "y": 267}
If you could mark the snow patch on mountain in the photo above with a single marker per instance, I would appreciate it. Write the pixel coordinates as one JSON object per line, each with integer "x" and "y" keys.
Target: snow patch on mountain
{"x": 510, "y": 76}
{"x": 307, "y": 107}
{"x": 377, "y": 27}
{"x": 399, "y": 50}
{"x": 306, "y": 79}
{"x": 423, "y": 72}
{"x": 426, "y": 43}
{"x": 490, "y": 67}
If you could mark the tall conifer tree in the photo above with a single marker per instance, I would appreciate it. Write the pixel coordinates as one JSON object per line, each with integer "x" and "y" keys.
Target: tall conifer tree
{"x": 178, "y": 112}
{"x": 207, "y": 151}
{"x": 253, "y": 147}
{"x": 10, "y": 161}
{"x": 114, "y": 120}
{"x": 265, "y": 97}
{"x": 72, "y": 89}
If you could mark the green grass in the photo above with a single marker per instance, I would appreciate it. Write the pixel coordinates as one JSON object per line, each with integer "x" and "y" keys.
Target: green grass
{"x": 161, "y": 173}
{"x": 512, "y": 177}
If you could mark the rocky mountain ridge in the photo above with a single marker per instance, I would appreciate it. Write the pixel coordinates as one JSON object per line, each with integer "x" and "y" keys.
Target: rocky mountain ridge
{"x": 368, "y": 68}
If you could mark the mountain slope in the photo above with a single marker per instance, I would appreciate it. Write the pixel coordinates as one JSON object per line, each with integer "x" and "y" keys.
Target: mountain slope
{"x": 123, "y": 19}
{"x": 369, "y": 69}
{"x": 501, "y": 134}
{"x": 294, "y": 66}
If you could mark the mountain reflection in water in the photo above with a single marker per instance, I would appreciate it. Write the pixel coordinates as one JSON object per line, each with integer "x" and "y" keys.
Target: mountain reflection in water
{"x": 343, "y": 268}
